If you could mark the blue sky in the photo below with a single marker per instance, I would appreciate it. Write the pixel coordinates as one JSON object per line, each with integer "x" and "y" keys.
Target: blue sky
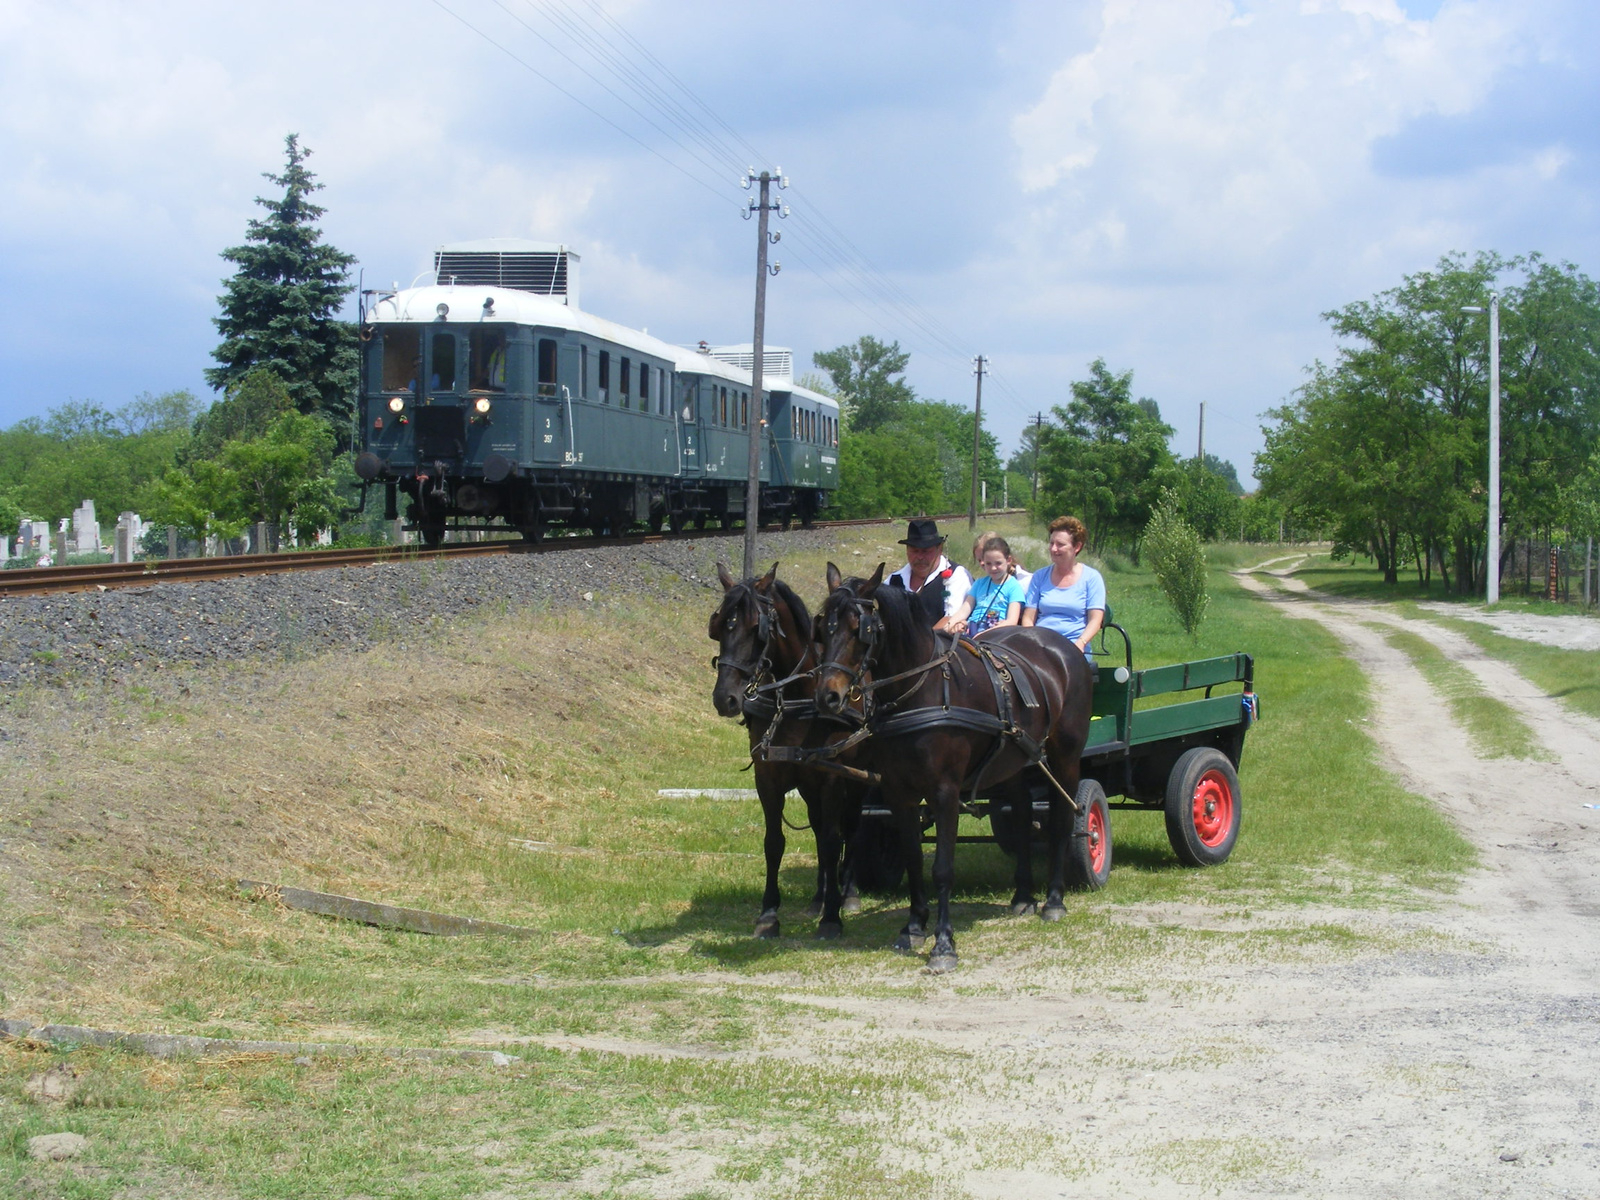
{"x": 1180, "y": 186}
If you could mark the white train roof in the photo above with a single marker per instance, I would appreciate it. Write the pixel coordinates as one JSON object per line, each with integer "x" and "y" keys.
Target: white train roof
{"x": 465, "y": 306}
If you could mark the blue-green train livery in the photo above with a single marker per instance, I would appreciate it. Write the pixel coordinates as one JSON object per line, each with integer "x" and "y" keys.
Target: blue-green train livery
{"x": 490, "y": 400}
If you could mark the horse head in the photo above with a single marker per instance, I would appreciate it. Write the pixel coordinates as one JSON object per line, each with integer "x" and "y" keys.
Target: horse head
{"x": 746, "y": 626}
{"x": 850, "y": 631}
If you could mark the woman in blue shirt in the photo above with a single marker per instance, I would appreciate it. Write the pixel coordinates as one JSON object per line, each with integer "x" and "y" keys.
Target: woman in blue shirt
{"x": 1069, "y": 597}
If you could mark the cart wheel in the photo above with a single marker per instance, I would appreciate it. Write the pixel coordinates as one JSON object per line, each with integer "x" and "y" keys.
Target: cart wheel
{"x": 1203, "y": 807}
{"x": 1089, "y": 852}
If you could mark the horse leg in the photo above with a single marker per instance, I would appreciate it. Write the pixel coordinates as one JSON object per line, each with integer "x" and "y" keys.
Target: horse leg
{"x": 946, "y": 802}
{"x": 825, "y": 821}
{"x": 1065, "y": 767}
{"x": 910, "y": 831}
{"x": 849, "y": 822}
{"x": 772, "y": 785}
{"x": 1021, "y": 796}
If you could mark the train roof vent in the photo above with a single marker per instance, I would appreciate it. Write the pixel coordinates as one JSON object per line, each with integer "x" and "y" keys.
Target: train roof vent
{"x": 543, "y": 268}
{"x": 776, "y": 361}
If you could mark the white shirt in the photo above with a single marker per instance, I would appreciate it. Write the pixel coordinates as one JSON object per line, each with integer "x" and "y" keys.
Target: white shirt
{"x": 955, "y": 588}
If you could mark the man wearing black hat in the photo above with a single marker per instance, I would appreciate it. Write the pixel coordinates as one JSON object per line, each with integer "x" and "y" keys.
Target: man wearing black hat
{"x": 927, "y": 567}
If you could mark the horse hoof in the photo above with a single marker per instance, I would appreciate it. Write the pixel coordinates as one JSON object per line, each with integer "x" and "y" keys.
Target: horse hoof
{"x": 903, "y": 944}
{"x": 850, "y": 905}
{"x": 941, "y": 964}
{"x": 1023, "y": 908}
{"x": 829, "y": 930}
{"x": 767, "y": 925}
{"x": 1053, "y": 912}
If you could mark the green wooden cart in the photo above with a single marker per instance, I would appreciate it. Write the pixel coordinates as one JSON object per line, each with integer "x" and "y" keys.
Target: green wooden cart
{"x": 1181, "y": 756}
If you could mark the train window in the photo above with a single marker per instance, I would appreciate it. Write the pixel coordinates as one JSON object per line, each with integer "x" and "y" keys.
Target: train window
{"x": 723, "y": 419}
{"x": 547, "y": 367}
{"x": 486, "y": 360}
{"x": 605, "y": 377}
{"x": 402, "y": 355}
{"x": 744, "y": 411}
{"x": 644, "y": 387}
{"x": 624, "y": 370}
{"x": 443, "y": 377}
{"x": 663, "y": 394}
{"x": 583, "y": 372}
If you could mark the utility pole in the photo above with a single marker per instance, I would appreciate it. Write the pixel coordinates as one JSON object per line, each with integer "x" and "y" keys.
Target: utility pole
{"x": 1492, "y": 566}
{"x": 1200, "y": 453}
{"x": 1038, "y": 431}
{"x": 979, "y": 364}
{"x": 758, "y": 399}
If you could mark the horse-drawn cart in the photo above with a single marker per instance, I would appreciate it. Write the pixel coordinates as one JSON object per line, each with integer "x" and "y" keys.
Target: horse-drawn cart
{"x": 1181, "y": 757}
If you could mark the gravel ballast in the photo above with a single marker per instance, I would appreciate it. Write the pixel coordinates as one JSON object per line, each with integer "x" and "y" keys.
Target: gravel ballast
{"x": 111, "y": 635}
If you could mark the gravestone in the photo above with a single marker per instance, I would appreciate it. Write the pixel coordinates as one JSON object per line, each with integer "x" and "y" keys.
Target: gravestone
{"x": 258, "y": 538}
{"x": 172, "y": 541}
{"x": 85, "y": 529}
{"x": 397, "y": 533}
{"x": 126, "y": 540}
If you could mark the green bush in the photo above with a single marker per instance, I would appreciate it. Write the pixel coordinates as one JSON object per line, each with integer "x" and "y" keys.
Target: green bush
{"x": 1174, "y": 552}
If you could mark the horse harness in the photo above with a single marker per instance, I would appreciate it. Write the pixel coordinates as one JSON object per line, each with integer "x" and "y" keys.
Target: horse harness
{"x": 1006, "y": 672}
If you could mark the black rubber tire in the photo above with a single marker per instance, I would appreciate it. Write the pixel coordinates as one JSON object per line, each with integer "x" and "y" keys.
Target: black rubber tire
{"x": 877, "y": 863}
{"x": 1203, "y": 807}
{"x": 1089, "y": 850}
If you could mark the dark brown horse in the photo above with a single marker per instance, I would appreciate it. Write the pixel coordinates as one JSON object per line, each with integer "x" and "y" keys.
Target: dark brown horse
{"x": 952, "y": 715}
{"x": 764, "y": 634}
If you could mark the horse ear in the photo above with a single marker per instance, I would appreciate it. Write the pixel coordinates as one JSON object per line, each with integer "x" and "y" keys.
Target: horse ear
{"x": 765, "y": 582}
{"x": 834, "y": 578}
{"x": 727, "y": 579}
{"x": 877, "y": 578}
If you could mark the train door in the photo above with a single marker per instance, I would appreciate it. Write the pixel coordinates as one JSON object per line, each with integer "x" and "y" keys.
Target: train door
{"x": 686, "y": 399}
{"x": 553, "y": 440}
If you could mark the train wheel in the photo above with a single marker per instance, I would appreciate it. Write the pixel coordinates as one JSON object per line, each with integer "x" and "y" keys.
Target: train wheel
{"x": 675, "y": 522}
{"x": 1089, "y": 853}
{"x": 432, "y": 535}
{"x": 1203, "y": 808}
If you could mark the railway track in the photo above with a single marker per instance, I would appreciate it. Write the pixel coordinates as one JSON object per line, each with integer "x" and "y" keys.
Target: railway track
{"x": 40, "y": 581}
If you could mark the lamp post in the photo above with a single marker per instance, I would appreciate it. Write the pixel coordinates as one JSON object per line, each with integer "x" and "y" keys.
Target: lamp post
{"x": 1492, "y": 567}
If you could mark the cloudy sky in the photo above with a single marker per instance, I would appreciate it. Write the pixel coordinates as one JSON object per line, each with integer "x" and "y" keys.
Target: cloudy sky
{"x": 1180, "y": 186}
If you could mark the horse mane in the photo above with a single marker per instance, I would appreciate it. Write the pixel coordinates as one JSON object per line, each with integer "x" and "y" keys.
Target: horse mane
{"x": 781, "y": 592}
{"x": 903, "y": 621}
{"x": 797, "y": 607}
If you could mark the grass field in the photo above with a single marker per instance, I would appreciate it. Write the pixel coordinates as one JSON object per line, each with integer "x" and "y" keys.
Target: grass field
{"x": 508, "y": 768}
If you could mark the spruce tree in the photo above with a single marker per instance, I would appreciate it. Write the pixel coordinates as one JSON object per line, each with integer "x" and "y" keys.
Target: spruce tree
{"x": 278, "y": 310}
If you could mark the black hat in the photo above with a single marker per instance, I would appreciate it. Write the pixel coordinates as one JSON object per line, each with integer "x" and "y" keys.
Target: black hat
{"x": 922, "y": 533}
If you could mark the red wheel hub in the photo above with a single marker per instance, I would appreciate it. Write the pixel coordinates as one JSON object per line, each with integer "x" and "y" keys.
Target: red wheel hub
{"x": 1098, "y": 842}
{"x": 1213, "y": 808}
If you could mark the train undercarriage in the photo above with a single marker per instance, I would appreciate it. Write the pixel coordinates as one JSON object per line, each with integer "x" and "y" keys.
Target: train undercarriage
{"x": 437, "y": 503}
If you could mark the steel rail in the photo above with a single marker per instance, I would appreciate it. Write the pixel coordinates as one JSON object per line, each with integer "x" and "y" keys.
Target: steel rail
{"x": 42, "y": 581}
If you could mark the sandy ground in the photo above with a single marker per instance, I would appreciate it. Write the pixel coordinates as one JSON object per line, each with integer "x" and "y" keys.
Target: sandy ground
{"x": 1569, "y": 632}
{"x": 1465, "y": 1063}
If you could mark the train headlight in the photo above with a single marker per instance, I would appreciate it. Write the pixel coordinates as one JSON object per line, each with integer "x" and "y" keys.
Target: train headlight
{"x": 481, "y": 404}
{"x": 396, "y": 403}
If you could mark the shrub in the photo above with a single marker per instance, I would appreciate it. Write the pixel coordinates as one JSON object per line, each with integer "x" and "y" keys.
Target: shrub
{"x": 1172, "y": 548}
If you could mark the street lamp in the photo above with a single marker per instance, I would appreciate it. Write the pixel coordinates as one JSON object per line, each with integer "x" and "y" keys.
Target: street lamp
{"x": 1492, "y": 568}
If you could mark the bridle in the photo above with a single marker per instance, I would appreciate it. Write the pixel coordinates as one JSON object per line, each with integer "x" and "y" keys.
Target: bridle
{"x": 758, "y": 670}
{"x": 869, "y": 632}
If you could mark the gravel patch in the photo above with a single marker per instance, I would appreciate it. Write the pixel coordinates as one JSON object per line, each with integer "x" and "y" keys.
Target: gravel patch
{"x": 1566, "y": 631}
{"x": 114, "y": 635}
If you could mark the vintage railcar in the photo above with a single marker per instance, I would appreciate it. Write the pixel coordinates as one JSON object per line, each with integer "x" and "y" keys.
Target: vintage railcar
{"x": 491, "y": 400}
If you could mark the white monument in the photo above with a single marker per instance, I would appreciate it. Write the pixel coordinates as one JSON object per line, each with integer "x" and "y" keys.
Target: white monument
{"x": 129, "y": 530}
{"x": 85, "y": 529}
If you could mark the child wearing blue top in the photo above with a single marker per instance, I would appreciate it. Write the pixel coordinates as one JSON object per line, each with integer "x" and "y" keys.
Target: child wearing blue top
{"x": 1069, "y": 596}
{"x": 995, "y": 599}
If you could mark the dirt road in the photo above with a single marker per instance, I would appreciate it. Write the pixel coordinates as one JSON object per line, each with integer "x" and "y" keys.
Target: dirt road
{"x": 1464, "y": 1062}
